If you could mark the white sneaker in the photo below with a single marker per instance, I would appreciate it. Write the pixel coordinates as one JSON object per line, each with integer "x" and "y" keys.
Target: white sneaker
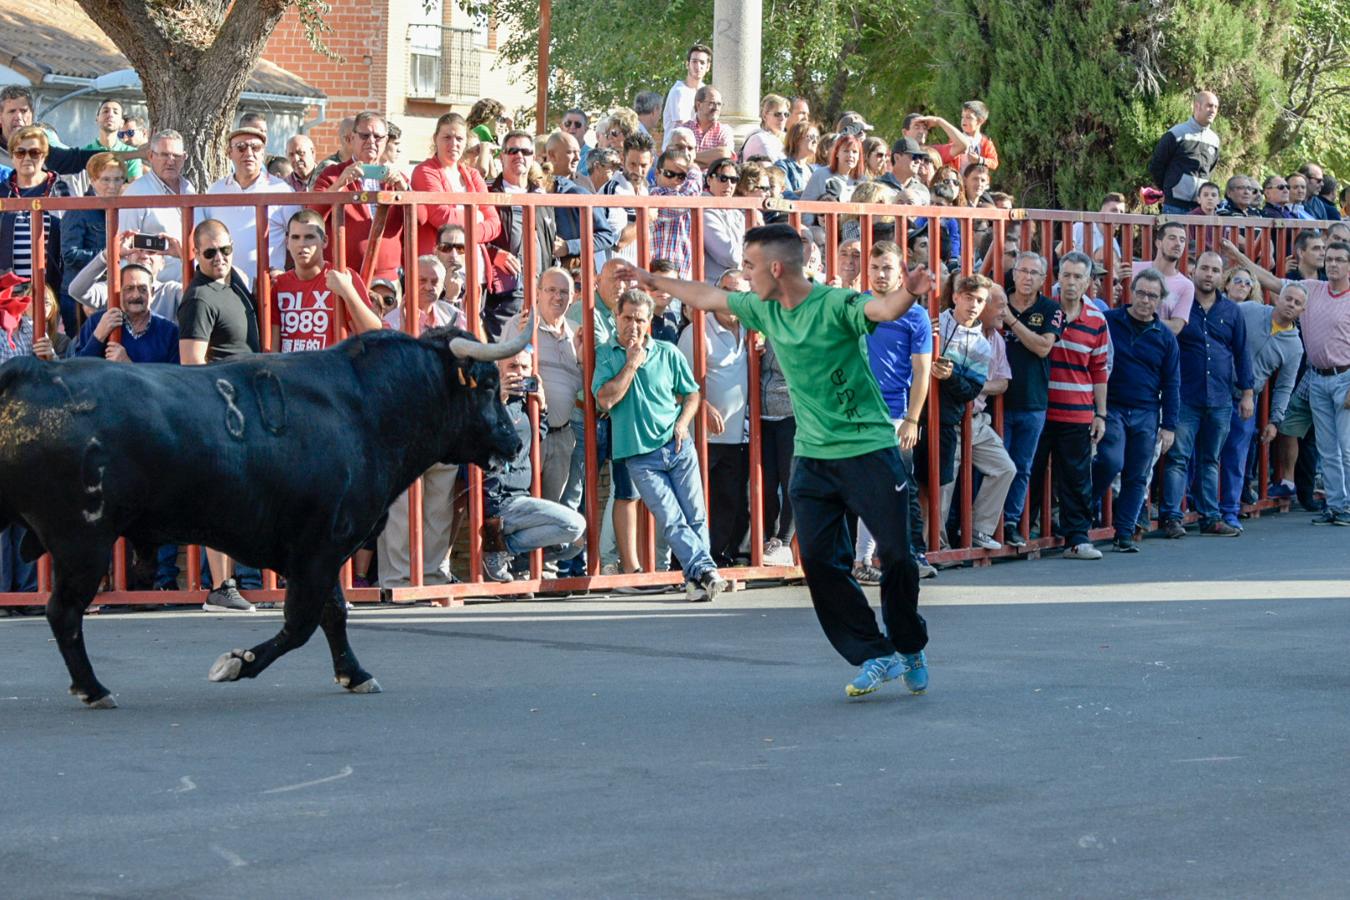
{"x": 1083, "y": 551}
{"x": 985, "y": 542}
{"x": 776, "y": 553}
{"x": 694, "y": 592}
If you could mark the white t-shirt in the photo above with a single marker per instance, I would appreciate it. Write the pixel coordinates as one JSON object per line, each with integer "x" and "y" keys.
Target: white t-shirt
{"x": 728, "y": 376}
{"x": 679, "y": 108}
{"x": 763, "y": 143}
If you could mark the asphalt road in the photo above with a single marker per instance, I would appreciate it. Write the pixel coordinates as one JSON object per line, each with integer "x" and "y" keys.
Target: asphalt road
{"x": 1169, "y": 724}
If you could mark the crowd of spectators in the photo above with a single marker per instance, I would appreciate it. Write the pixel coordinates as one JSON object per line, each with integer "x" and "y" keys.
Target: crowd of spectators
{"x": 1098, "y": 379}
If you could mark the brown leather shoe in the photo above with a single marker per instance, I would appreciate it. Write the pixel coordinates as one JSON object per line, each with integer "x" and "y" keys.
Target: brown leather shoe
{"x": 493, "y": 539}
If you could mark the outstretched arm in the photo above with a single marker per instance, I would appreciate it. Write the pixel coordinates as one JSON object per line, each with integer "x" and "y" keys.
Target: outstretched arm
{"x": 889, "y": 307}
{"x": 695, "y": 293}
{"x": 1268, "y": 281}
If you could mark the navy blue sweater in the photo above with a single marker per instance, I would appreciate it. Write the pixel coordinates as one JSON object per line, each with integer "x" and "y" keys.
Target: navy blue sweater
{"x": 158, "y": 344}
{"x": 1147, "y": 369}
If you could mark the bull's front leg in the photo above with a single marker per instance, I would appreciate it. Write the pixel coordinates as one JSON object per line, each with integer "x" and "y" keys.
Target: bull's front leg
{"x": 73, "y": 587}
{"x": 305, "y": 598}
{"x": 346, "y": 670}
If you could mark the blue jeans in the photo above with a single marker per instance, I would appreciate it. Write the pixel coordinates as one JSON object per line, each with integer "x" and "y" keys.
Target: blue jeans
{"x": 669, "y": 482}
{"x": 1201, "y": 431}
{"x": 1125, "y": 450}
{"x": 1233, "y": 464}
{"x": 1021, "y": 434}
{"x": 1331, "y": 421}
{"x": 1173, "y": 209}
{"x": 16, "y": 574}
{"x": 246, "y": 578}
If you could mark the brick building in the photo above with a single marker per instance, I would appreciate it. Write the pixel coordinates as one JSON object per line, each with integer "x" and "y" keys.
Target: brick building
{"x": 410, "y": 62}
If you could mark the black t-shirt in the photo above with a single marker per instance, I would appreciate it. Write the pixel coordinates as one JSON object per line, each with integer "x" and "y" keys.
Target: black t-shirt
{"x": 220, "y": 314}
{"x": 1029, "y": 388}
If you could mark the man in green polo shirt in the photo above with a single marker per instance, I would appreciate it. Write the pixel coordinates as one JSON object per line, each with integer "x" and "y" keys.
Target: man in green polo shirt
{"x": 110, "y": 122}
{"x": 651, "y": 396}
{"x": 847, "y": 456}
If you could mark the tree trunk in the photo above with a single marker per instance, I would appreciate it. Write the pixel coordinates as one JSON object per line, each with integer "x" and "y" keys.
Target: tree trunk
{"x": 194, "y": 60}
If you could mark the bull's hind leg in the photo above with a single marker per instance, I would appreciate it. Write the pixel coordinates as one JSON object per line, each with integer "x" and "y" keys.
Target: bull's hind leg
{"x": 72, "y": 590}
{"x": 346, "y": 670}
{"x": 306, "y": 595}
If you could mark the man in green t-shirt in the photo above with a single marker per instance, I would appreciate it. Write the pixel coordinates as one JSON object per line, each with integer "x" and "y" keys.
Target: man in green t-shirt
{"x": 848, "y": 459}
{"x": 651, "y": 396}
{"x": 110, "y": 122}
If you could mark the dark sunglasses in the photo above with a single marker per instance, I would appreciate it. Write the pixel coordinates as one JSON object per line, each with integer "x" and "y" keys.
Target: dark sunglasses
{"x": 29, "y": 153}
{"x": 212, "y": 252}
{"x": 728, "y": 179}
{"x": 519, "y": 151}
{"x": 127, "y": 134}
{"x": 446, "y": 248}
{"x": 673, "y": 173}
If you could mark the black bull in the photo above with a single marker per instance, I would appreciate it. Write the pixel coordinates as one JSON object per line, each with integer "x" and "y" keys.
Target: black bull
{"x": 283, "y": 462}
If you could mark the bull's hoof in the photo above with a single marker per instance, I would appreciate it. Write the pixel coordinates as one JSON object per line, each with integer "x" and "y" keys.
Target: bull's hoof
{"x": 104, "y": 702}
{"x": 229, "y": 666}
{"x": 369, "y": 686}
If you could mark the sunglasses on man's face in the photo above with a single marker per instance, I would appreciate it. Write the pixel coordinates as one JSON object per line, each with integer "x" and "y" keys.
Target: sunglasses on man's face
{"x": 213, "y": 252}
{"x": 728, "y": 179}
{"x": 446, "y": 248}
{"x": 519, "y": 151}
{"x": 673, "y": 173}
{"x": 127, "y": 134}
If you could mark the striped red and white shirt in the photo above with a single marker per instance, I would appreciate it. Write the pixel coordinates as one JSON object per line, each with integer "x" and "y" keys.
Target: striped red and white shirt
{"x": 1077, "y": 362}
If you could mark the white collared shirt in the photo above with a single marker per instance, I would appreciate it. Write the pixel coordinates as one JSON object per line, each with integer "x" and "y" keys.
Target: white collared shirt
{"x": 243, "y": 223}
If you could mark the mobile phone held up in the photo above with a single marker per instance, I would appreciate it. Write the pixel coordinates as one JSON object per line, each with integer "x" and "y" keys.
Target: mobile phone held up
{"x": 377, "y": 172}
{"x": 157, "y": 242}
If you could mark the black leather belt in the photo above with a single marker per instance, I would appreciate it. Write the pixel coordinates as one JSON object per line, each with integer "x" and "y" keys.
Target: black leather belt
{"x": 1333, "y": 371}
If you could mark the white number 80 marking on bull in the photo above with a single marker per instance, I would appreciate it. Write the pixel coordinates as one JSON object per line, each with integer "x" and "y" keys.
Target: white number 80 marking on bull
{"x": 304, "y": 322}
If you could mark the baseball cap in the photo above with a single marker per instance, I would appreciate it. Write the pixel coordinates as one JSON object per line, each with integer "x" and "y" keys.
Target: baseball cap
{"x": 907, "y": 146}
{"x": 853, "y": 123}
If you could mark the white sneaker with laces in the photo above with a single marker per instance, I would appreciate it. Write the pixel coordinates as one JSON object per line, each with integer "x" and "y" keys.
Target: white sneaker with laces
{"x": 985, "y": 542}
{"x": 1083, "y": 551}
{"x": 776, "y": 553}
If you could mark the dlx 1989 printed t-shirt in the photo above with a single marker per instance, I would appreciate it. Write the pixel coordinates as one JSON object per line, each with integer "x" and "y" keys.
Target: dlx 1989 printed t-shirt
{"x": 307, "y": 310}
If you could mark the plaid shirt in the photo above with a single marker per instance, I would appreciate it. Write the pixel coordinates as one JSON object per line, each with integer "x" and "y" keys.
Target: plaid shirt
{"x": 22, "y": 338}
{"x": 670, "y": 232}
{"x": 718, "y": 135}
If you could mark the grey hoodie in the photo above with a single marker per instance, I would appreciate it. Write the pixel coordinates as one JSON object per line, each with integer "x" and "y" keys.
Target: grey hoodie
{"x": 1268, "y": 352}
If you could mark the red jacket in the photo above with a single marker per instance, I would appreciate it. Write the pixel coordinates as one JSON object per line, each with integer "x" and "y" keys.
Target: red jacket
{"x": 430, "y": 176}
{"x": 357, "y": 220}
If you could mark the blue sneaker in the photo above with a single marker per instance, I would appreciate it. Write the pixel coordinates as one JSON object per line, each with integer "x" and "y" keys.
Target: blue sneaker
{"x": 1279, "y": 491}
{"x": 915, "y": 674}
{"x": 874, "y": 673}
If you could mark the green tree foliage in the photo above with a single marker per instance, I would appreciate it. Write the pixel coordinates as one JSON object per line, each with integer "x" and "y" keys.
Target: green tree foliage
{"x": 838, "y": 55}
{"x": 1315, "y": 114}
{"x": 1079, "y": 91}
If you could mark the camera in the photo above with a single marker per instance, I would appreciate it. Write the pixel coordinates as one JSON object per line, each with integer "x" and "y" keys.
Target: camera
{"x": 530, "y": 384}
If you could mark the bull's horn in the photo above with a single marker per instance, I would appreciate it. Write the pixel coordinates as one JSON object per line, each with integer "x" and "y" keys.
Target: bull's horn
{"x": 467, "y": 349}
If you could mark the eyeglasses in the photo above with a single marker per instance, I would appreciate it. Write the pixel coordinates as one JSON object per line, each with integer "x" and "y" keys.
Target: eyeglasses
{"x": 780, "y": 115}
{"x": 812, "y": 138}
{"x": 1025, "y": 271}
{"x": 1279, "y": 187}
{"x": 949, "y": 181}
{"x": 127, "y": 134}
{"x": 446, "y": 248}
{"x": 1147, "y": 295}
{"x": 519, "y": 151}
{"x": 673, "y": 173}
{"x": 573, "y": 124}
{"x": 248, "y": 147}
{"x": 170, "y": 157}
{"x": 213, "y": 252}
{"x": 728, "y": 179}
{"x": 29, "y": 153}
{"x": 364, "y": 136}
{"x": 614, "y": 132}
{"x": 764, "y": 187}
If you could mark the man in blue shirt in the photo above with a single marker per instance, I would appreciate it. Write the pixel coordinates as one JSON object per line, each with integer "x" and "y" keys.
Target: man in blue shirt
{"x": 1145, "y": 381}
{"x": 901, "y": 356}
{"x": 146, "y": 337}
{"x": 1213, "y": 364}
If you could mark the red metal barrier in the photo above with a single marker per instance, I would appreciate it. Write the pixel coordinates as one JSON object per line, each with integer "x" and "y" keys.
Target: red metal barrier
{"x": 1035, "y": 228}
